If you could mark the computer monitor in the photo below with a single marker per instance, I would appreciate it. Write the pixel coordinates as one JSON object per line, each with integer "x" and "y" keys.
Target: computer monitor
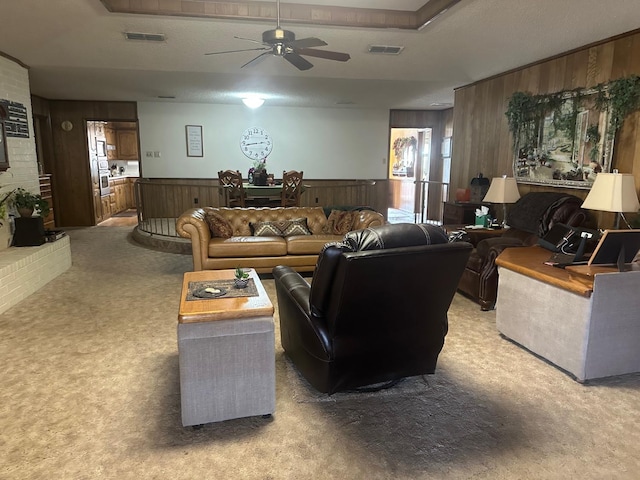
{"x": 616, "y": 247}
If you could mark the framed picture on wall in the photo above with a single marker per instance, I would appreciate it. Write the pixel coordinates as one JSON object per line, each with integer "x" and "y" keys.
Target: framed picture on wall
{"x": 194, "y": 141}
{"x": 567, "y": 145}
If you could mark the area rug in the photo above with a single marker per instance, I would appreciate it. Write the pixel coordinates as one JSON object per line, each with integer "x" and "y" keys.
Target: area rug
{"x": 91, "y": 390}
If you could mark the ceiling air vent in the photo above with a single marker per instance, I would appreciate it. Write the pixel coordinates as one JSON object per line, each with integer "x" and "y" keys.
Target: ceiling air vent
{"x": 149, "y": 37}
{"x": 385, "y": 49}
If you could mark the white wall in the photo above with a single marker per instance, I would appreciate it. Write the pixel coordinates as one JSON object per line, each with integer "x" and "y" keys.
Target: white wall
{"x": 325, "y": 143}
{"x": 23, "y": 164}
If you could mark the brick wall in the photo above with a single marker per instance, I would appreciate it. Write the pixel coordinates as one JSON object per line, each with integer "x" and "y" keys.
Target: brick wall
{"x": 23, "y": 171}
{"x": 24, "y": 270}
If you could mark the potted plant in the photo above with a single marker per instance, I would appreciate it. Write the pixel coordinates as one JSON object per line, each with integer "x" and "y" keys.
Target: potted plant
{"x": 26, "y": 203}
{"x": 3, "y": 206}
{"x": 242, "y": 278}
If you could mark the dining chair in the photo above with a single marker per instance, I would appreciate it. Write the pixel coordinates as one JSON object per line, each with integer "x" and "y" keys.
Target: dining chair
{"x": 291, "y": 188}
{"x": 233, "y": 192}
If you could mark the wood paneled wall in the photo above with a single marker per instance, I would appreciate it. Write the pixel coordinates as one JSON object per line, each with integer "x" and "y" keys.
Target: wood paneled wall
{"x": 70, "y": 168}
{"x": 169, "y": 197}
{"x": 481, "y": 140}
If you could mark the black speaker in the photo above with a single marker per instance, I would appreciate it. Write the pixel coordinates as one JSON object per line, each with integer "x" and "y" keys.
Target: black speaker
{"x": 29, "y": 232}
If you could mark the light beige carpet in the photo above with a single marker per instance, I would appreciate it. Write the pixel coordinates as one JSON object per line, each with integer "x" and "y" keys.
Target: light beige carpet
{"x": 89, "y": 390}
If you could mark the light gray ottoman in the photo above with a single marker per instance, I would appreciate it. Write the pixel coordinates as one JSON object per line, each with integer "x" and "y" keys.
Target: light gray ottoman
{"x": 227, "y": 365}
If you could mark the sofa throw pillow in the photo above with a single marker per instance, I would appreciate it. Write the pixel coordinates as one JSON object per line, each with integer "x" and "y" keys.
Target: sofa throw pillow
{"x": 297, "y": 226}
{"x": 219, "y": 226}
{"x": 265, "y": 229}
{"x": 340, "y": 222}
{"x": 282, "y": 228}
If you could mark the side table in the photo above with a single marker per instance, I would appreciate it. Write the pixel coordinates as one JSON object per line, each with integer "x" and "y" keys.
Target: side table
{"x": 475, "y": 234}
{"x": 226, "y": 349}
{"x": 463, "y": 212}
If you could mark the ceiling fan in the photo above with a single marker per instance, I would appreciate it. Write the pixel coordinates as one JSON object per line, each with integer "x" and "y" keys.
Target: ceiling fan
{"x": 283, "y": 43}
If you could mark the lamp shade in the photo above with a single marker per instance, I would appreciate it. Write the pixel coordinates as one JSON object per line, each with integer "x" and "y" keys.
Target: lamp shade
{"x": 502, "y": 190}
{"x": 613, "y": 192}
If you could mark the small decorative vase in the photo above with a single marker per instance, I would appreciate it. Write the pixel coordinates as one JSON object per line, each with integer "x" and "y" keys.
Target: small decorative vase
{"x": 260, "y": 178}
{"x": 25, "y": 211}
{"x": 241, "y": 282}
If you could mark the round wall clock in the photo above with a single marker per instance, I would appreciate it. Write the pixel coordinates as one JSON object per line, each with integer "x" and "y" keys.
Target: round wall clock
{"x": 256, "y": 143}
{"x": 67, "y": 126}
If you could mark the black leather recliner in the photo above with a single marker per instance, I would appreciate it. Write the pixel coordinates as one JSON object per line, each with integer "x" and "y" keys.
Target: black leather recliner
{"x": 376, "y": 310}
{"x": 529, "y": 219}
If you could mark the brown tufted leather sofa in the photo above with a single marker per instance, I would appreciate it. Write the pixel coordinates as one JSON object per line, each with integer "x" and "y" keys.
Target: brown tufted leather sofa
{"x": 261, "y": 253}
{"x": 376, "y": 310}
{"x": 529, "y": 219}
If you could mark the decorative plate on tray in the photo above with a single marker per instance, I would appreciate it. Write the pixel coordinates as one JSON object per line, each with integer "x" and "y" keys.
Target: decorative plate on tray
{"x": 209, "y": 292}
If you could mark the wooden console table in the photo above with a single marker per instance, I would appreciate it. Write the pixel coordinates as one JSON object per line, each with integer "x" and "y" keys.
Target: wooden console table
{"x": 583, "y": 319}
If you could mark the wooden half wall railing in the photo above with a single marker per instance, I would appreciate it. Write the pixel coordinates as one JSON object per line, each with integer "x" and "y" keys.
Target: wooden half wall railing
{"x": 161, "y": 201}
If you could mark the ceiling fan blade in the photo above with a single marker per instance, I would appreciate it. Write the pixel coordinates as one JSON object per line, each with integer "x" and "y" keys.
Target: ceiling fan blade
{"x": 297, "y": 61}
{"x": 257, "y": 59}
{"x": 307, "y": 42}
{"x": 248, "y": 39}
{"x": 340, "y": 57}
{"x": 243, "y": 50}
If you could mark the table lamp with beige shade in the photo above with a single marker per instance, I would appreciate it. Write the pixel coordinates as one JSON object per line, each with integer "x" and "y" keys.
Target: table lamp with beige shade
{"x": 613, "y": 192}
{"x": 502, "y": 190}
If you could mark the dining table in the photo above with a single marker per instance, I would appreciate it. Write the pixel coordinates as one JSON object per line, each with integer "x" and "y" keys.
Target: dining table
{"x": 261, "y": 195}
{"x": 262, "y": 190}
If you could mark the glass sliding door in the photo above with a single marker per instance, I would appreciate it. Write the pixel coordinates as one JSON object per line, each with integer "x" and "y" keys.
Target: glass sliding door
{"x": 409, "y": 164}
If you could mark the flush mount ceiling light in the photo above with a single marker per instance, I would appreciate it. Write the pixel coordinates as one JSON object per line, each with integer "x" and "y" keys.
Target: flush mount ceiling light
{"x": 253, "y": 102}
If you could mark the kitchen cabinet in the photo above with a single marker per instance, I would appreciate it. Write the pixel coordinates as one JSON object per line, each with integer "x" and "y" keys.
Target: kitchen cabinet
{"x": 112, "y": 202}
{"x": 129, "y": 193}
{"x": 112, "y": 143}
{"x": 121, "y": 197}
{"x": 122, "y": 144}
{"x": 127, "y": 144}
{"x": 106, "y": 207}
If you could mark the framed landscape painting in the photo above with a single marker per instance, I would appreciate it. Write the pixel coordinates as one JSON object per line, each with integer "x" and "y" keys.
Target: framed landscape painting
{"x": 569, "y": 146}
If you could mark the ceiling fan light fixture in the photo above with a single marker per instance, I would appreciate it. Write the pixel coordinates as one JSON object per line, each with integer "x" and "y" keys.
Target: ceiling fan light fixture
{"x": 253, "y": 102}
{"x": 282, "y": 43}
{"x": 272, "y": 37}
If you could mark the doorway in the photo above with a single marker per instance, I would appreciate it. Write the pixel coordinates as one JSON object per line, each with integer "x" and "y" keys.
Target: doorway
{"x": 114, "y": 164}
{"x": 408, "y": 175}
